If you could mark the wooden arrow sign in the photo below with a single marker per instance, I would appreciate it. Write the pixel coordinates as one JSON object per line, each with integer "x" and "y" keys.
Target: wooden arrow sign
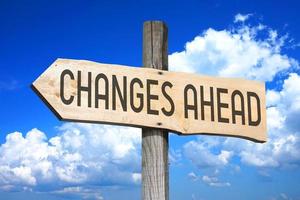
{"x": 85, "y": 91}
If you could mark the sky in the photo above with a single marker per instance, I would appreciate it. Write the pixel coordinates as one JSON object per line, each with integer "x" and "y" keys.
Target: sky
{"x": 44, "y": 158}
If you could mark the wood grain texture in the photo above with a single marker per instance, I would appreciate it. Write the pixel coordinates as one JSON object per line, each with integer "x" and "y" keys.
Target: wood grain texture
{"x": 155, "y": 142}
{"x": 48, "y": 86}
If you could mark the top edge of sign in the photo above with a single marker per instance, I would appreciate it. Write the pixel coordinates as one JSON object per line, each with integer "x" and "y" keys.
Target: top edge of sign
{"x": 120, "y": 66}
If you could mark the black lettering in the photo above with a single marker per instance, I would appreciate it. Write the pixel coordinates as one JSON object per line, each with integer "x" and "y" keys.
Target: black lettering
{"x": 151, "y": 96}
{"x": 221, "y": 105}
{"x": 140, "y": 96}
{"x": 186, "y": 105}
{"x": 87, "y": 89}
{"x": 250, "y": 120}
{"x": 104, "y": 96}
{"x": 167, "y": 96}
{"x": 234, "y": 111}
{"x": 116, "y": 88}
{"x": 207, "y": 103}
{"x": 62, "y": 86}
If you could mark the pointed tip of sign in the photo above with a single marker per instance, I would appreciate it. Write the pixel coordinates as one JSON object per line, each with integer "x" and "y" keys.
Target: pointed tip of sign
{"x": 35, "y": 89}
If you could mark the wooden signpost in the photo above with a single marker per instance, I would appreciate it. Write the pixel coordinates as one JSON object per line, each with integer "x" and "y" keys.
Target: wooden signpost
{"x": 156, "y": 100}
{"x": 78, "y": 90}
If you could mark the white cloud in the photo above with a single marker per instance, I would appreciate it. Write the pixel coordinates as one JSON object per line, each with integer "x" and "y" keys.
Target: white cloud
{"x": 283, "y": 147}
{"x": 290, "y": 103}
{"x": 81, "y": 154}
{"x": 283, "y": 196}
{"x": 83, "y": 192}
{"x": 214, "y": 181}
{"x": 137, "y": 177}
{"x": 241, "y": 18}
{"x": 201, "y": 154}
{"x": 193, "y": 176}
{"x": 174, "y": 156}
{"x": 263, "y": 160}
{"x": 209, "y": 180}
{"x": 251, "y": 52}
{"x": 234, "y": 53}
{"x": 275, "y": 119}
{"x": 273, "y": 98}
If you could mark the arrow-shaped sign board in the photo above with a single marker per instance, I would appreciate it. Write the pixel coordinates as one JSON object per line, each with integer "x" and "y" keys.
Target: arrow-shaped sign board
{"x": 85, "y": 91}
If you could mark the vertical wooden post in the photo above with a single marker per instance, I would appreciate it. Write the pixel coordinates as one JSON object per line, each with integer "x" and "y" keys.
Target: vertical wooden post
{"x": 155, "y": 165}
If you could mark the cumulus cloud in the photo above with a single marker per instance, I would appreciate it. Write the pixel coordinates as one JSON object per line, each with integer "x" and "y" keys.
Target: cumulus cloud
{"x": 203, "y": 155}
{"x": 251, "y": 52}
{"x": 241, "y": 18}
{"x": 174, "y": 156}
{"x": 193, "y": 176}
{"x": 238, "y": 52}
{"x": 83, "y": 192}
{"x": 209, "y": 180}
{"x": 283, "y": 148}
{"x": 81, "y": 154}
{"x": 214, "y": 181}
{"x": 283, "y": 196}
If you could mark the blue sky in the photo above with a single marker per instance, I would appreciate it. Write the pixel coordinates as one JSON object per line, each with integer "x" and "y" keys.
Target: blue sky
{"x": 43, "y": 158}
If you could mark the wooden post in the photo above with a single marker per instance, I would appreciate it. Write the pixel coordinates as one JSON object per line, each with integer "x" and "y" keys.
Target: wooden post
{"x": 155, "y": 165}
